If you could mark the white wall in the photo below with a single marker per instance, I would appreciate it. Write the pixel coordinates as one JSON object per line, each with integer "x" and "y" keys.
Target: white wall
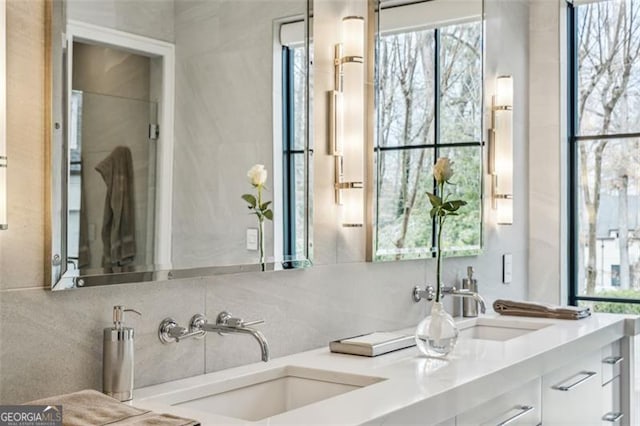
{"x": 547, "y": 154}
{"x": 507, "y": 50}
{"x": 59, "y": 350}
{"x": 130, "y": 16}
{"x": 224, "y": 125}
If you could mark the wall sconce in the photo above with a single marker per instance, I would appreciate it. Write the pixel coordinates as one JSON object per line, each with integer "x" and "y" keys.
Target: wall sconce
{"x": 501, "y": 150}
{"x": 349, "y": 75}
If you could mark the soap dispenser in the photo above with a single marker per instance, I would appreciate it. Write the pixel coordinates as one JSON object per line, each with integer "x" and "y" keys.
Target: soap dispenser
{"x": 469, "y": 305}
{"x": 117, "y": 357}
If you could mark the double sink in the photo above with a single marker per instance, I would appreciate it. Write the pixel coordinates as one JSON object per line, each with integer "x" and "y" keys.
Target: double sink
{"x": 267, "y": 393}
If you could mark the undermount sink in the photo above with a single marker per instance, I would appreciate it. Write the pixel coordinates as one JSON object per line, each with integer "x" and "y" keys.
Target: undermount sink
{"x": 268, "y": 393}
{"x": 497, "y": 329}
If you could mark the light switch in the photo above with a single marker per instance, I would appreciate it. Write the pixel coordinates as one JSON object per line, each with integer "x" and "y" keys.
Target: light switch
{"x": 507, "y": 268}
{"x": 252, "y": 238}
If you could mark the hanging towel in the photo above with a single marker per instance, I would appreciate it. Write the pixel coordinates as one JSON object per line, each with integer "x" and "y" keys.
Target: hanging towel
{"x": 531, "y": 309}
{"x": 118, "y": 226}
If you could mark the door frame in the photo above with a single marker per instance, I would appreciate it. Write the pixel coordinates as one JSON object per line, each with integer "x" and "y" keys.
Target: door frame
{"x": 165, "y": 53}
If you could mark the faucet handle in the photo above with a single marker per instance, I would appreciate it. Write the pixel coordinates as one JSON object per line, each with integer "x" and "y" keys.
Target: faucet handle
{"x": 226, "y": 318}
{"x": 428, "y": 294}
{"x": 234, "y": 322}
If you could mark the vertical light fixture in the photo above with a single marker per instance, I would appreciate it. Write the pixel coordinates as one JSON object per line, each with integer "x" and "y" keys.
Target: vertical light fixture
{"x": 501, "y": 150}
{"x": 3, "y": 116}
{"x": 345, "y": 100}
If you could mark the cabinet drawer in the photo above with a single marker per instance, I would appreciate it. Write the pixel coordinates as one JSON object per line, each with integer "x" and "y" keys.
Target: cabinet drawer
{"x": 519, "y": 407}
{"x": 572, "y": 394}
{"x": 612, "y": 414}
{"x": 611, "y": 361}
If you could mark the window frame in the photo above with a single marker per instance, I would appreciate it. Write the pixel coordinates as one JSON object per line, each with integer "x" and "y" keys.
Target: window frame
{"x": 289, "y": 156}
{"x": 573, "y": 140}
{"x": 436, "y": 147}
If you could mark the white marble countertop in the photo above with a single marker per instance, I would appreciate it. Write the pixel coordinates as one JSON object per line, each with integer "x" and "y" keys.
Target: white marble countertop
{"x": 475, "y": 372}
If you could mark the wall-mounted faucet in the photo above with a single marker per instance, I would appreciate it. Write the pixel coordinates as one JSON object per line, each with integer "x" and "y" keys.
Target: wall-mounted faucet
{"x": 429, "y": 293}
{"x": 170, "y": 332}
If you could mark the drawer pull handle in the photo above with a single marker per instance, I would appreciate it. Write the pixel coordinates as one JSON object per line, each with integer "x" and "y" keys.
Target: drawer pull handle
{"x": 586, "y": 375}
{"x": 522, "y": 410}
{"x": 612, "y": 417}
{"x": 612, "y": 360}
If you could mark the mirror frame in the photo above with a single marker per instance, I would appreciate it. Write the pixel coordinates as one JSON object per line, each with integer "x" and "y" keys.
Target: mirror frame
{"x": 64, "y": 279}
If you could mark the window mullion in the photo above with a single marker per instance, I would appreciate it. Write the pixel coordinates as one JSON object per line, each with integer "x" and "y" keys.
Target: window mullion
{"x": 573, "y": 159}
{"x": 436, "y": 122}
{"x": 289, "y": 159}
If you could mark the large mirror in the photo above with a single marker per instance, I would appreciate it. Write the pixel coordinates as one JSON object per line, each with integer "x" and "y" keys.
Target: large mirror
{"x": 429, "y": 104}
{"x": 182, "y": 139}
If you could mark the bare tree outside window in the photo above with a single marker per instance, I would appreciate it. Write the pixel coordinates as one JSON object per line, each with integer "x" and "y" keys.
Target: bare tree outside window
{"x": 608, "y": 147}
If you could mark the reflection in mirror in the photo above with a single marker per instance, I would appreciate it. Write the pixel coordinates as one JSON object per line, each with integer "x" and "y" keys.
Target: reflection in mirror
{"x": 111, "y": 190}
{"x": 429, "y": 106}
{"x": 168, "y": 105}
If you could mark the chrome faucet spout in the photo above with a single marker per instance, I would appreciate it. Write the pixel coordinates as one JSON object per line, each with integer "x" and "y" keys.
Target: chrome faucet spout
{"x": 472, "y": 294}
{"x": 170, "y": 332}
{"x": 228, "y": 324}
{"x": 262, "y": 341}
{"x": 481, "y": 302}
{"x": 257, "y": 335}
{"x": 429, "y": 293}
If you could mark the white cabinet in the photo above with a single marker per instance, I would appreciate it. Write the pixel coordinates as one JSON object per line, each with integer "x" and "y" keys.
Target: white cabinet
{"x": 584, "y": 392}
{"x": 518, "y": 407}
{"x": 572, "y": 393}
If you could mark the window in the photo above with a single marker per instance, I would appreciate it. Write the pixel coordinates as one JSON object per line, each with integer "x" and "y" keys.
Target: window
{"x": 294, "y": 154}
{"x": 604, "y": 137}
{"x": 429, "y": 106}
{"x": 291, "y": 170}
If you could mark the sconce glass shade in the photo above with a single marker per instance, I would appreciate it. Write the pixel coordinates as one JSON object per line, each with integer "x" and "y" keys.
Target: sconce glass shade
{"x": 504, "y": 92}
{"x": 353, "y": 37}
{"x": 502, "y": 167}
{"x": 505, "y": 212}
{"x": 346, "y": 139}
{"x": 336, "y": 120}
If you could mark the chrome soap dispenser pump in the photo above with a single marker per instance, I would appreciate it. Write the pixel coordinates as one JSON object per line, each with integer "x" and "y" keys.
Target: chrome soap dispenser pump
{"x": 117, "y": 357}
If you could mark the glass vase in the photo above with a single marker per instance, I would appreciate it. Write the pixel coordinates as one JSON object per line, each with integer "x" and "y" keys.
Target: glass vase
{"x": 436, "y": 335}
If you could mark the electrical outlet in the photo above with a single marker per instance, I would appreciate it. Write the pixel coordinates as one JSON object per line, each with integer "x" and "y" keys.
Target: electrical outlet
{"x": 252, "y": 239}
{"x": 507, "y": 268}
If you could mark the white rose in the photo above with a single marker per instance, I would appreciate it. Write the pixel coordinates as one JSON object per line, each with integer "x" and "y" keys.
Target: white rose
{"x": 257, "y": 175}
{"x": 443, "y": 170}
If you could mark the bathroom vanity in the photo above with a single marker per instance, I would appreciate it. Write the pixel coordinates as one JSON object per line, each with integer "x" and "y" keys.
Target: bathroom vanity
{"x": 504, "y": 370}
